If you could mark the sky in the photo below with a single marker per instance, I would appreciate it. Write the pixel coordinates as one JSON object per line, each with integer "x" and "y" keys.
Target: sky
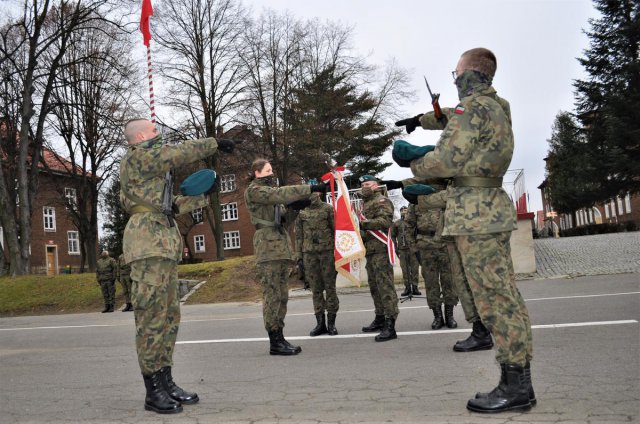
{"x": 536, "y": 42}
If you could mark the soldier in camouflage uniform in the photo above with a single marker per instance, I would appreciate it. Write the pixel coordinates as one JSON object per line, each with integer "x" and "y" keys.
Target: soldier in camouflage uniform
{"x": 124, "y": 276}
{"x": 315, "y": 229}
{"x": 435, "y": 264}
{"x": 106, "y": 276}
{"x": 475, "y": 150}
{"x": 377, "y": 213}
{"x": 153, "y": 245}
{"x": 272, "y": 246}
{"x": 404, "y": 239}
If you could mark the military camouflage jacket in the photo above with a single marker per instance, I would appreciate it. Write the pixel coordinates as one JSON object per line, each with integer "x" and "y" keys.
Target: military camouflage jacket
{"x": 124, "y": 269}
{"x": 315, "y": 228}
{"x": 477, "y": 142}
{"x": 142, "y": 171}
{"x": 378, "y": 211}
{"x": 106, "y": 269}
{"x": 429, "y": 223}
{"x": 271, "y": 241}
{"x": 403, "y": 233}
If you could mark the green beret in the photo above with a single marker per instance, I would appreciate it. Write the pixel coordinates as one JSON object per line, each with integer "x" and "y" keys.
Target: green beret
{"x": 368, "y": 178}
{"x": 419, "y": 189}
{"x": 404, "y": 152}
{"x": 199, "y": 182}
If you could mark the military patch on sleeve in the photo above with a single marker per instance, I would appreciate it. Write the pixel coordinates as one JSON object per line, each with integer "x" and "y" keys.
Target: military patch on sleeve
{"x": 459, "y": 110}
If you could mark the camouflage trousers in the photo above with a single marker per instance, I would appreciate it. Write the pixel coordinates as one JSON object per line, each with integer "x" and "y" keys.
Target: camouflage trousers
{"x": 486, "y": 259}
{"x": 108, "y": 291}
{"x": 410, "y": 266}
{"x": 274, "y": 277}
{"x": 436, "y": 272}
{"x": 125, "y": 282}
{"x": 156, "y": 310}
{"x": 320, "y": 272}
{"x": 461, "y": 285}
{"x": 380, "y": 278}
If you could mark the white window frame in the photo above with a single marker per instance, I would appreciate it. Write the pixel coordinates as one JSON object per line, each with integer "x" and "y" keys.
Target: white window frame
{"x": 231, "y": 240}
{"x": 228, "y": 183}
{"x": 2, "y": 237}
{"x": 198, "y": 212}
{"x": 70, "y": 194}
{"x": 71, "y": 241}
{"x": 613, "y": 209}
{"x": 606, "y": 210}
{"x": 627, "y": 202}
{"x": 199, "y": 243}
{"x": 229, "y": 211}
{"x": 620, "y": 205}
{"x": 49, "y": 217}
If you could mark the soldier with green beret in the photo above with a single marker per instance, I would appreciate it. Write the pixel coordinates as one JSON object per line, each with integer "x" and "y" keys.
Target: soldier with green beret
{"x": 475, "y": 150}
{"x": 375, "y": 221}
{"x": 315, "y": 230}
{"x": 152, "y": 245}
{"x": 106, "y": 268}
{"x": 272, "y": 246}
{"x": 403, "y": 234}
{"x": 124, "y": 276}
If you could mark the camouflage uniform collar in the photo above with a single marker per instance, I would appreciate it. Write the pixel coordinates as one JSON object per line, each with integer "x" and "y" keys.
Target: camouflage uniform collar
{"x": 471, "y": 82}
{"x": 154, "y": 142}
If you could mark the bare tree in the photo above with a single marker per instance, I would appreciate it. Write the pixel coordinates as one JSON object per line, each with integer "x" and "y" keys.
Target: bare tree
{"x": 200, "y": 61}
{"x": 41, "y": 28}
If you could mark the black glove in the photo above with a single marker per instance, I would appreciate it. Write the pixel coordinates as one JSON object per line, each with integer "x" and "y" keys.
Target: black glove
{"x": 392, "y": 184}
{"x": 319, "y": 188}
{"x": 226, "y": 146}
{"x": 215, "y": 187}
{"x": 298, "y": 205}
{"x": 411, "y": 198}
{"x": 410, "y": 123}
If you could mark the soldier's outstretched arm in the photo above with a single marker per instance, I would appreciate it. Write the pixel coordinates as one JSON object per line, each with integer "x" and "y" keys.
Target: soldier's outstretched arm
{"x": 428, "y": 120}
{"x": 278, "y": 195}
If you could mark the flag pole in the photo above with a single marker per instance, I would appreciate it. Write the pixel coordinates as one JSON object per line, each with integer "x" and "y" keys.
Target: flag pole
{"x": 150, "y": 77}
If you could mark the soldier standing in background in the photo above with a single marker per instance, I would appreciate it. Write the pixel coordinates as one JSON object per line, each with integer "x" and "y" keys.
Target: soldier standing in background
{"x": 106, "y": 269}
{"x": 404, "y": 239}
{"x": 434, "y": 261}
{"x": 315, "y": 230}
{"x": 153, "y": 246}
{"x": 272, "y": 246}
{"x": 377, "y": 215}
{"x": 124, "y": 276}
{"x": 475, "y": 149}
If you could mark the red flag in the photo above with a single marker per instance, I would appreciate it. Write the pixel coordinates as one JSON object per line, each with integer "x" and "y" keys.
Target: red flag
{"x": 147, "y": 11}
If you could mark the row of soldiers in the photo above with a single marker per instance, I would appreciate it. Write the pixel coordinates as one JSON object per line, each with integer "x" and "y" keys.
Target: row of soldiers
{"x": 108, "y": 271}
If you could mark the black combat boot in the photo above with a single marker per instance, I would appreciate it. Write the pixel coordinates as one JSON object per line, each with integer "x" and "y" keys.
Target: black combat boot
{"x": 512, "y": 393}
{"x": 157, "y": 398}
{"x": 407, "y": 290}
{"x": 175, "y": 391}
{"x": 110, "y": 307}
{"x": 414, "y": 290}
{"x": 106, "y": 308}
{"x": 438, "y": 320}
{"x": 375, "y": 325}
{"x": 388, "y": 331}
{"x": 128, "y": 307}
{"x": 527, "y": 374}
{"x": 277, "y": 345}
{"x": 448, "y": 317}
{"x": 479, "y": 339}
{"x": 321, "y": 327}
{"x": 331, "y": 324}
{"x": 297, "y": 349}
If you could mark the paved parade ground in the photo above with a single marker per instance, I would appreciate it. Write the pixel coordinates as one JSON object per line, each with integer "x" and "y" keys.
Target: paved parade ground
{"x": 82, "y": 368}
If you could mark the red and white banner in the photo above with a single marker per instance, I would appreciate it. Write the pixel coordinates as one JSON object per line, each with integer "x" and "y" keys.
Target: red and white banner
{"x": 384, "y": 238}
{"x": 348, "y": 249}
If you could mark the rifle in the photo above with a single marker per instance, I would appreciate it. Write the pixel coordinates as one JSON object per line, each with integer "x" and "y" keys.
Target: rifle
{"x": 167, "y": 198}
{"x": 437, "y": 112}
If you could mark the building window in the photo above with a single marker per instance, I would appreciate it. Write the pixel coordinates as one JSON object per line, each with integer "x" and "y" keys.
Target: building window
{"x": 613, "y": 208}
{"x": 606, "y": 211}
{"x": 197, "y": 215}
{"x": 49, "y": 218}
{"x": 620, "y": 207}
{"x": 228, "y": 183}
{"x": 198, "y": 242}
{"x": 2, "y": 237}
{"x": 231, "y": 240}
{"x": 627, "y": 202}
{"x": 70, "y": 195}
{"x": 73, "y": 241}
{"x": 229, "y": 211}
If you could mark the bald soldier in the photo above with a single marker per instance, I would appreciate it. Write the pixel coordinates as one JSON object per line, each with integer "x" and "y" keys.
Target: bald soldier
{"x": 152, "y": 244}
{"x": 475, "y": 150}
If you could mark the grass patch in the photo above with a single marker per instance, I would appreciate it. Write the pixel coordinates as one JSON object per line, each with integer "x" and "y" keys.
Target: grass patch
{"x": 231, "y": 280}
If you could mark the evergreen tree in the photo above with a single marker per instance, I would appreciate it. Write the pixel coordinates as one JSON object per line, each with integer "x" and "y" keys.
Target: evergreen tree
{"x": 608, "y": 102}
{"x": 115, "y": 220}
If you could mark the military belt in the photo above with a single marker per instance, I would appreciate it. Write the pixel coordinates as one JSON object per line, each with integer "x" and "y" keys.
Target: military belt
{"x": 429, "y": 233}
{"x": 486, "y": 182}
{"x": 142, "y": 209}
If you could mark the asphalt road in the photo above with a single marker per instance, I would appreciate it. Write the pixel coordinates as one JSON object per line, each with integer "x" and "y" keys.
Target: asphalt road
{"x": 82, "y": 368}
